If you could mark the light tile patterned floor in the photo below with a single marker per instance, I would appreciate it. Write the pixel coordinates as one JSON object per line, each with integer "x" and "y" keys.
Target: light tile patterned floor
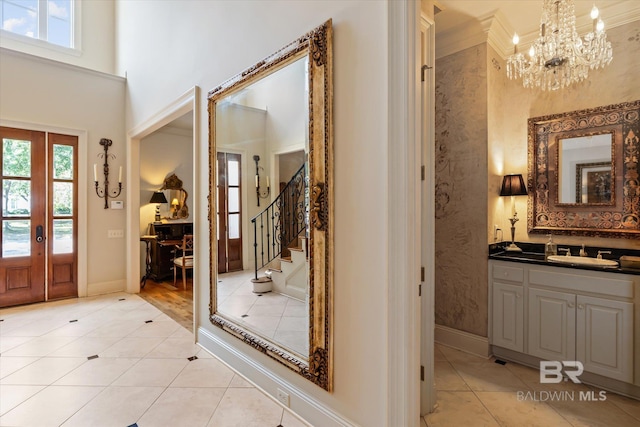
{"x": 283, "y": 319}
{"x": 142, "y": 373}
{"x": 473, "y": 391}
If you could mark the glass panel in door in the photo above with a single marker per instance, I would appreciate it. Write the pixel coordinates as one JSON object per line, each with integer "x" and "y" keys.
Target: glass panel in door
{"x": 62, "y": 213}
{"x": 22, "y": 216}
{"x": 229, "y": 212}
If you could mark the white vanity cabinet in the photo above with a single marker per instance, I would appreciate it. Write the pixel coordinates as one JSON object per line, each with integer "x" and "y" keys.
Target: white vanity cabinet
{"x": 508, "y": 307}
{"x": 596, "y": 331}
{"x": 604, "y": 337}
{"x": 564, "y": 314}
{"x": 552, "y": 325}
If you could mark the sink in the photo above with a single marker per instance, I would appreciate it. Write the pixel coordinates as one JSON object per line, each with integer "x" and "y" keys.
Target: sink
{"x": 579, "y": 260}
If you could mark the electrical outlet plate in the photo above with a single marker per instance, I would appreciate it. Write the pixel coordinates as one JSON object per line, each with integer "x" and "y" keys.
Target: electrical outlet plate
{"x": 283, "y": 397}
{"x": 115, "y": 234}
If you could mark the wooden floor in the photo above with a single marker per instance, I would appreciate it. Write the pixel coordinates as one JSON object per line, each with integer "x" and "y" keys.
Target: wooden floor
{"x": 175, "y": 302}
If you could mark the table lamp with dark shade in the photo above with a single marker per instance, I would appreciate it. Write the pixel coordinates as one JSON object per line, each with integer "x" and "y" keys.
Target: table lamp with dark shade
{"x": 513, "y": 185}
{"x": 158, "y": 198}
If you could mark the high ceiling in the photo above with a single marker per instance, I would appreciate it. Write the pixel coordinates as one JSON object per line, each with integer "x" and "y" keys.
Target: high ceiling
{"x": 464, "y": 23}
{"x": 522, "y": 15}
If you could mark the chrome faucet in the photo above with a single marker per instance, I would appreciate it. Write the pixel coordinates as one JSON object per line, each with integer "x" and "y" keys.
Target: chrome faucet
{"x": 583, "y": 252}
{"x": 568, "y": 250}
{"x": 602, "y": 252}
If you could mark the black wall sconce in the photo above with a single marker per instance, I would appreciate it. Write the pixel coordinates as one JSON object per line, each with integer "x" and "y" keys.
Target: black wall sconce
{"x": 103, "y": 192}
{"x": 256, "y": 159}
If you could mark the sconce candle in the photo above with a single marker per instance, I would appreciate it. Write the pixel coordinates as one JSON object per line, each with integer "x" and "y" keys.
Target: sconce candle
{"x": 260, "y": 196}
{"x": 104, "y": 191}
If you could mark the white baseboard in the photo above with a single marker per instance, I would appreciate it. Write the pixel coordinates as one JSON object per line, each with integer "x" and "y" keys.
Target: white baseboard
{"x": 310, "y": 409}
{"x": 470, "y": 343}
{"x": 102, "y": 288}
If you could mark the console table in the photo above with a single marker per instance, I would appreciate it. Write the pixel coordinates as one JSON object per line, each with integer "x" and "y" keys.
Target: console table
{"x": 162, "y": 248}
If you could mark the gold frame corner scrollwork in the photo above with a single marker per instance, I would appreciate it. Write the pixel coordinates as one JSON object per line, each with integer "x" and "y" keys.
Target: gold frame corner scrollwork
{"x": 318, "y": 207}
{"x": 621, "y": 218}
{"x": 317, "y": 45}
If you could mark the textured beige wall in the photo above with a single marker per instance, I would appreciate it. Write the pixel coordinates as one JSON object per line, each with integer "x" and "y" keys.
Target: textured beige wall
{"x": 481, "y": 135}
{"x": 619, "y": 82}
{"x": 461, "y": 188}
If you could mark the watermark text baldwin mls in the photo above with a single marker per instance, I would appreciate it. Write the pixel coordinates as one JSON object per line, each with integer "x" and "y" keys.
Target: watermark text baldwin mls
{"x": 552, "y": 372}
{"x": 554, "y": 396}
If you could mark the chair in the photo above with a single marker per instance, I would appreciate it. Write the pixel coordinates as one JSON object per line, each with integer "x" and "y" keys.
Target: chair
{"x": 182, "y": 260}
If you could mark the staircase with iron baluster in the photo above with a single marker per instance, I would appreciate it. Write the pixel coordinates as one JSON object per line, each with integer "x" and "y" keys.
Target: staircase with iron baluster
{"x": 279, "y": 242}
{"x": 289, "y": 274}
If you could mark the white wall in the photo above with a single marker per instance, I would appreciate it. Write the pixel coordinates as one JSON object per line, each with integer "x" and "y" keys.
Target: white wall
{"x": 43, "y": 93}
{"x": 212, "y": 41}
{"x": 97, "y": 39}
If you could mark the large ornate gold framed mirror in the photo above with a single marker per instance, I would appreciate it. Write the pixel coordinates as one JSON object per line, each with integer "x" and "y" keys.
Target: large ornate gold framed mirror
{"x": 271, "y": 204}
{"x": 584, "y": 172}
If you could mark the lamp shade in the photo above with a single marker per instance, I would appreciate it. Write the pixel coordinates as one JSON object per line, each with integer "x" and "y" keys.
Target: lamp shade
{"x": 513, "y": 185}
{"x": 158, "y": 197}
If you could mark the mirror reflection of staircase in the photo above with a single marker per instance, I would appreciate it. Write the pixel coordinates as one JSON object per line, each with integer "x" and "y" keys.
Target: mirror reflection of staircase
{"x": 280, "y": 242}
{"x": 289, "y": 273}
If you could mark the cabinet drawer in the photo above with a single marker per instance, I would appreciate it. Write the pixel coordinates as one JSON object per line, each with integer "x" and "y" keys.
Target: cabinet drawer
{"x": 609, "y": 284}
{"x": 512, "y": 274}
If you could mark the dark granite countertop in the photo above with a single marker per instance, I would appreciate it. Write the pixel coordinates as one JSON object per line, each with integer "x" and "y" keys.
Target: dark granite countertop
{"x": 533, "y": 253}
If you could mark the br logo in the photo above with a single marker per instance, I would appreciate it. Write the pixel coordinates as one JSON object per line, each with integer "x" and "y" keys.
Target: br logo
{"x": 551, "y": 371}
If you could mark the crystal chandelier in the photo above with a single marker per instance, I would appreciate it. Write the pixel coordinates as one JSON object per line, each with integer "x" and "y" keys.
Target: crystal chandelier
{"x": 559, "y": 57}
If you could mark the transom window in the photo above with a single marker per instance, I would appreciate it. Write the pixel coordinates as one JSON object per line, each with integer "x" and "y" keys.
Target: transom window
{"x": 47, "y": 20}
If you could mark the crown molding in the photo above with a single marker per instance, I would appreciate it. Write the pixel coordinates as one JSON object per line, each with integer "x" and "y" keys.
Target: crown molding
{"x": 463, "y": 36}
{"x": 495, "y": 29}
{"x": 55, "y": 63}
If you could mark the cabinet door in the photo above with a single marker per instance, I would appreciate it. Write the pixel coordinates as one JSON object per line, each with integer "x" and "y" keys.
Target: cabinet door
{"x": 508, "y": 316}
{"x": 604, "y": 339}
{"x": 552, "y": 325}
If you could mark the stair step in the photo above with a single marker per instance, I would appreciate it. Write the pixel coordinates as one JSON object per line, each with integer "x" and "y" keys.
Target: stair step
{"x": 298, "y": 249}
{"x": 286, "y": 259}
{"x": 272, "y": 270}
